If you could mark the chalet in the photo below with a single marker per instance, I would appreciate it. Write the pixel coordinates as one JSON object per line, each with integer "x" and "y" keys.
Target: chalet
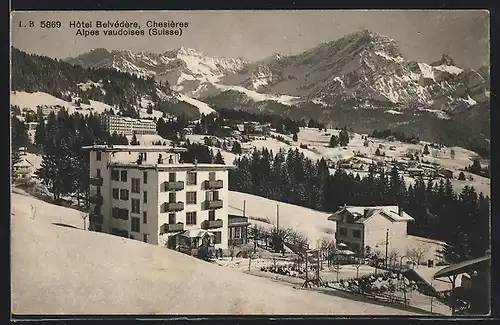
{"x": 360, "y": 227}
{"x": 23, "y": 169}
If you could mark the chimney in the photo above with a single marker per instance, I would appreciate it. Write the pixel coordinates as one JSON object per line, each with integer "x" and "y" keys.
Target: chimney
{"x": 365, "y": 213}
{"x": 400, "y": 210}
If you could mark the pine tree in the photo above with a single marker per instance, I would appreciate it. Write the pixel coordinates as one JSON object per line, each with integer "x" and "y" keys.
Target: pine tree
{"x": 426, "y": 150}
{"x": 236, "y": 149}
{"x": 218, "y": 158}
{"x": 295, "y": 137}
{"x": 334, "y": 141}
{"x": 134, "y": 140}
{"x": 19, "y": 138}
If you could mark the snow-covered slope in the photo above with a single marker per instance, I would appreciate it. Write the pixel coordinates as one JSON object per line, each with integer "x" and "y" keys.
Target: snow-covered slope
{"x": 41, "y": 99}
{"x": 203, "y": 108}
{"x": 62, "y": 269}
{"x": 314, "y": 224}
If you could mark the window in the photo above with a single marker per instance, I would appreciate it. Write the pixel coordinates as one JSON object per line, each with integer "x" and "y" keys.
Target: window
{"x": 356, "y": 233}
{"x": 136, "y": 206}
{"x": 211, "y": 215}
{"x": 98, "y": 156}
{"x": 343, "y": 231}
{"x": 171, "y": 218}
{"x": 191, "y": 218}
{"x": 191, "y": 178}
{"x": 237, "y": 232}
{"x": 115, "y": 175}
{"x": 136, "y": 185}
{"x": 144, "y": 217}
{"x": 136, "y": 224}
{"x": 145, "y": 197}
{"x": 123, "y": 214}
{"x": 218, "y": 237}
{"x": 116, "y": 193}
{"x": 172, "y": 198}
{"x": 124, "y": 194}
{"x": 211, "y": 176}
{"x": 212, "y": 195}
{"x": 98, "y": 172}
{"x": 190, "y": 197}
{"x": 171, "y": 177}
{"x": 145, "y": 177}
{"x": 145, "y": 238}
{"x": 123, "y": 175}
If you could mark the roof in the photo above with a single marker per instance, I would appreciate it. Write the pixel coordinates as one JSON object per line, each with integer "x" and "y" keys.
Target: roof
{"x": 23, "y": 163}
{"x": 463, "y": 267}
{"x": 172, "y": 166}
{"x": 195, "y": 233}
{"x": 358, "y": 212}
{"x": 132, "y": 148}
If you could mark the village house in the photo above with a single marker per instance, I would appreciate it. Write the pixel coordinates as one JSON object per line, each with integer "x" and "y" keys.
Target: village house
{"x": 360, "y": 227}
{"x": 23, "y": 169}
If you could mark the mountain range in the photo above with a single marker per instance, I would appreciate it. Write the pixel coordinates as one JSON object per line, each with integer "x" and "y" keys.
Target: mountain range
{"x": 361, "y": 81}
{"x": 362, "y": 69}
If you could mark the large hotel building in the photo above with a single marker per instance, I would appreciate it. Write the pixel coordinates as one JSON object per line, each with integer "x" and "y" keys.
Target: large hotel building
{"x": 148, "y": 194}
{"x": 127, "y": 125}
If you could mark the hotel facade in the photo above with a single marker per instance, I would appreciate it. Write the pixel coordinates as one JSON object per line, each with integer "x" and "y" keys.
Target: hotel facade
{"x": 127, "y": 125}
{"x": 146, "y": 193}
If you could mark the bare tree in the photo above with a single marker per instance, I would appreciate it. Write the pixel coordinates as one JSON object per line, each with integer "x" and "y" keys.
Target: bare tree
{"x": 393, "y": 257}
{"x": 327, "y": 246}
{"x": 256, "y": 233}
{"x": 417, "y": 253}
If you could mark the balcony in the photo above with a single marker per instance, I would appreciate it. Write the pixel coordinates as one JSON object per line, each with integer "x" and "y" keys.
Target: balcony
{"x": 214, "y": 204}
{"x": 214, "y": 185}
{"x": 174, "y": 186}
{"x": 95, "y": 217}
{"x": 174, "y": 206}
{"x": 236, "y": 241}
{"x": 95, "y": 199}
{"x": 211, "y": 224}
{"x": 96, "y": 181}
{"x": 175, "y": 227}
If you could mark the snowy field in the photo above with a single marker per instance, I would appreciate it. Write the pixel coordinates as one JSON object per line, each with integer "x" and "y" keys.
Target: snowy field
{"x": 312, "y": 223}
{"x": 64, "y": 270}
{"x": 33, "y": 100}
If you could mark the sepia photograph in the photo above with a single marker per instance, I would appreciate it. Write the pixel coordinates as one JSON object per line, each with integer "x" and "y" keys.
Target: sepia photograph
{"x": 239, "y": 162}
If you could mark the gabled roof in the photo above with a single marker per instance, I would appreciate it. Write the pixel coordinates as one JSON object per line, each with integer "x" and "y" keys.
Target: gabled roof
{"x": 23, "y": 163}
{"x": 358, "y": 213}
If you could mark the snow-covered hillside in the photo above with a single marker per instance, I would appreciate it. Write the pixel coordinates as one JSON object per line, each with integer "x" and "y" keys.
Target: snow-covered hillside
{"x": 41, "y": 99}
{"x": 313, "y": 224}
{"x": 58, "y": 268}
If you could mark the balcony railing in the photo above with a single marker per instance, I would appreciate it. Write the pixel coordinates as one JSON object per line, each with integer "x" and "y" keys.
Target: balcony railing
{"x": 211, "y": 224}
{"x": 236, "y": 241}
{"x": 96, "y": 181}
{"x": 174, "y": 206}
{"x": 96, "y": 199}
{"x": 213, "y": 204}
{"x": 95, "y": 217}
{"x": 174, "y": 186}
{"x": 214, "y": 185}
{"x": 175, "y": 227}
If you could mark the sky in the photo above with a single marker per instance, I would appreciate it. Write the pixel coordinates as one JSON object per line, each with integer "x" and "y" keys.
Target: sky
{"x": 421, "y": 35}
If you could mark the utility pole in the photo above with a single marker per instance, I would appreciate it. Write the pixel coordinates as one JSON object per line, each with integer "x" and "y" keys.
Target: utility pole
{"x": 386, "y": 246}
{"x": 277, "y": 216}
{"x": 244, "y": 206}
